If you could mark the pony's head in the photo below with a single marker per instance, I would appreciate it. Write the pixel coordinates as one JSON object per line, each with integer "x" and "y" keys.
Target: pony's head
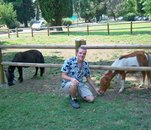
{"x": 105, "y": 82}
{"x": 10, "y": 75}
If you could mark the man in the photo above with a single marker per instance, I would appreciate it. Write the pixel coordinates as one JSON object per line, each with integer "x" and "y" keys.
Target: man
{"x": 72, "y": 73}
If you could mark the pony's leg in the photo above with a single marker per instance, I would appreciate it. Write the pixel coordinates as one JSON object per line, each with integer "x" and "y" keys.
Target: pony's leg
{"x": 141, "y": 84}
{"x": 20, "y": 71}
{"x": 148, "y": 79}
{"x": 122, "y": 86}
{"x": 122, "y": 82}
{"x": 118, "y": 79}
{"x": 42, "y": 69}
{"x": 36, "y": 72}
{"x": 143, "y": 79}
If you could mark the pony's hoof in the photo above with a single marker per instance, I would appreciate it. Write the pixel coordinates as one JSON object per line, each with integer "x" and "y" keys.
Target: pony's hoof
{"x": 100, "y": 93}
{"x": 10, "y": 84}
{"x": 121, "y": 91}
{"x": 20, "y": 81}
{"x": 140, "y": 86}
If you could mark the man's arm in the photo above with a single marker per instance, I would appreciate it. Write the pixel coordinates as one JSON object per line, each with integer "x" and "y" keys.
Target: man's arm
{"x": 92, "y": 84}
{"x": 66, "y": 77}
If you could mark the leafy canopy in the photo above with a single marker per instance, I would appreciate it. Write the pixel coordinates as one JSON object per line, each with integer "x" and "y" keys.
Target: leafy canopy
{"x": 54, "y": 10}
{"x": 7, "y": 14}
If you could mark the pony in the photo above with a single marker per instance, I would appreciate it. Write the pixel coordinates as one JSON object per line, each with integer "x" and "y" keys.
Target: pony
{"x": 30, "y": 56}
{"x": 135, "y": 59}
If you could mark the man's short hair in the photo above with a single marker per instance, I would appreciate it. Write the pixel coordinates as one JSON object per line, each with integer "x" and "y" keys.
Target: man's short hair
{"x": 83, "y": 48}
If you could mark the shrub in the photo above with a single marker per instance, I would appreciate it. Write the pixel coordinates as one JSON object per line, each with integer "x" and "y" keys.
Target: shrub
{"x": 130, "y": 17}
{"x": 12, "y": 24}
{"x": 66, "y": 21}
{"x": 8, "y": 15}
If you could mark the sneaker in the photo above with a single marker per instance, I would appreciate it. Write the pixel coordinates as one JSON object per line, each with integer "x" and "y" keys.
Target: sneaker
{"x": 74, "y": 103}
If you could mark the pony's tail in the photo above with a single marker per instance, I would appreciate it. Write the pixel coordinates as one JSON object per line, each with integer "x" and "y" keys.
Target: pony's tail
{"x": 149, "y": 64}
{"x": 42, "y": 69}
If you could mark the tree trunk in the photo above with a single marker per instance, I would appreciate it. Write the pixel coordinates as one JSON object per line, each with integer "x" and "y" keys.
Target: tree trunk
{"x": 25, "y": 24}
{"x": 37, "y": 13}
{"x": 58, "y": 22}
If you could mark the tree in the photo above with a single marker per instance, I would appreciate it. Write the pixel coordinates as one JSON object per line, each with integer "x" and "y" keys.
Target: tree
{"x": 37, "y": 9}
{"x": 86, "y": 10}
{"x": 131, "y": 6}
{"x": 100, "y": 10}
{"x": 140, "y": 10}
{"x": 7, "y": 15}
{"x": 147, "y": 7}
{"x": 54, "y": 10}
{"x": 90, "y": 9}
{"x": 24, "y": 10}
{"x": 76, "y": 7}
{"x": 114, "y": 8}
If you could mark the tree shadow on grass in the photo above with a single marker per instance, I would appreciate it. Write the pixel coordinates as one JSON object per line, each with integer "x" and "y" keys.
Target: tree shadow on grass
{"x": 3, "y": 43}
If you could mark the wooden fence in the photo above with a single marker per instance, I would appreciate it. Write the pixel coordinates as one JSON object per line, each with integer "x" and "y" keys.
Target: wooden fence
{"x": 77, "y": 44}
{"x": 104, "y": 27}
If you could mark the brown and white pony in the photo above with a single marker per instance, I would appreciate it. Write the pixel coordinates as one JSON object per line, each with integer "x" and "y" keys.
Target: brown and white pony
{"x": 136, "y": 59}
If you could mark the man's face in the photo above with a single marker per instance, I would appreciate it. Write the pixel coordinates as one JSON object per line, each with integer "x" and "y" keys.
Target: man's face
{"x": 81, "y": 54}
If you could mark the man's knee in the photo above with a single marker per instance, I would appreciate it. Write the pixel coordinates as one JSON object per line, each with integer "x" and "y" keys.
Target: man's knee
{"x": 72, "y": 87}
{"x": 89, "y": 98}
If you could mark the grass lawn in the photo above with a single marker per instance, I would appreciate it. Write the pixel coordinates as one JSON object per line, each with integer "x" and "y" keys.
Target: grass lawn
{"x": 28, "y": 110}
{"x": 38, "y": 104}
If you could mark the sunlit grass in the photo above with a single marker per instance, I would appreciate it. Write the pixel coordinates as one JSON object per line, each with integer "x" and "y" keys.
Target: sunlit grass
{"x": 119, "y": 33}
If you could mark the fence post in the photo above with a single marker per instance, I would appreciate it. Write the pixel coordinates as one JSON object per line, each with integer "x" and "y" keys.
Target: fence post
{"x": 131, "y": 26}
{"x": 48, "y": 30}
{"x": 78, "y": 43}
{"x": 68, "y": 29}
{"x": 17, "y": 32}
{"x": 108, "y": 28}
{"x": 8, "y": 33}
{"x": 87, "y": 29}
{"x": 1, "y": 70}
{"x": 32, "y": 32}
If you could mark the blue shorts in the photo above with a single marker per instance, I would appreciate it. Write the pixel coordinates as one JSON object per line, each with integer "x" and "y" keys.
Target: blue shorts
{"x": 83, "y": 89}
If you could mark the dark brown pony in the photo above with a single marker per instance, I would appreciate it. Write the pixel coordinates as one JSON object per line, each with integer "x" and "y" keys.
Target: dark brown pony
{"x": 30, "y": 56}
{"x": 137, "y": 58}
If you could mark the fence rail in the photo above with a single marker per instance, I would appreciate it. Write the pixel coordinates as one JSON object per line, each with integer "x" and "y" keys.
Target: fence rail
{"x": 111, "y": 46}
{"x": 95, "y": 67}
{"x": 37, "y": 46}
{"x": 115, "y": 46}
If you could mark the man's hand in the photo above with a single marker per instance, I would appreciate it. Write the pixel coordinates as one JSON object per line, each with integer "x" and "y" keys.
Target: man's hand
{"x": 74, "y": 82}
{"x": 99, "y": 93}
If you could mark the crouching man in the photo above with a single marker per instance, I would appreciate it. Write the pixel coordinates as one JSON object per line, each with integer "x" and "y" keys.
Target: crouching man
{"x": 72, "y": 73}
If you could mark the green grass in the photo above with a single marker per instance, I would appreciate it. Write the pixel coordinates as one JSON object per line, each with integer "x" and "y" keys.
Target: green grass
{"x": 119, "y": 34}
{"x": 50, "y": 111}
{"x": 96, "y": 38}
{"x": 34, "y": 110}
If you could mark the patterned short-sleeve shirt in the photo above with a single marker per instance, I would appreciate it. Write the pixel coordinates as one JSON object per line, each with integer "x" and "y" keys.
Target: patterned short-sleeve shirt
{"x": 70, "y": 67}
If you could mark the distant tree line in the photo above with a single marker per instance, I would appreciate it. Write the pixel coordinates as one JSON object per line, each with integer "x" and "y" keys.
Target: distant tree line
{"x": 13, "y": 12}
